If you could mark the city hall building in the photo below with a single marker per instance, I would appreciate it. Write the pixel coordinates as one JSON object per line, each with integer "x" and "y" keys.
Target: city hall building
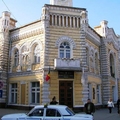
{"x": 83, "y": 62}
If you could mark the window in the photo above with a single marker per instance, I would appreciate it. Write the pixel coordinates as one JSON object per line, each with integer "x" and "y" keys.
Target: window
{"x": 93, "y": 93}
{"x": 13, "y": 93}
{"x": 50, "y": 19}
{"x": 16, "y": 58}
{"x": 112, "y": 68}
{"x": 89, "y": 91}
{"x": 24, "y": 51}
{"x": 37, "y": 54}
{"x": 98, "y": 94}
{"x": 35, "y": 92}
{"x": 70, "y": 112}
{"x": 58, "y": 20}
{"x": 96, "y": 63}
{"x": 87, "y": 54}
{"x": 37, "y": 112}
{"x": 52, "y": 113}
{"x": 64, "y": 50}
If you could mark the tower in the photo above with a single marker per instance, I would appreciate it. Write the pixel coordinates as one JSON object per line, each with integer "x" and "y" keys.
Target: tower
{"x": 62, "y": 2}
{"x": 6, "y": 23}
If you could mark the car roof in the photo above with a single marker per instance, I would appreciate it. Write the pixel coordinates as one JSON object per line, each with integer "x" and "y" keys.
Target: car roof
{"x": 51, "y": 106}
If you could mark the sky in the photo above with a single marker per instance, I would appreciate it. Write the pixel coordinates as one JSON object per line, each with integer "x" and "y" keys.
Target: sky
{"x": 27, "y": 11}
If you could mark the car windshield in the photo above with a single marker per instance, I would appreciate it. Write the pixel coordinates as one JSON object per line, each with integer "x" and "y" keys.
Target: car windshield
{"x": 31, "y": 111}
{"x": 70, "y": 111}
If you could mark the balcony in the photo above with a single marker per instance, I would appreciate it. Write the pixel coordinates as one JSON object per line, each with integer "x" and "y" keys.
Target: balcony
{"x": 66, "y": 64}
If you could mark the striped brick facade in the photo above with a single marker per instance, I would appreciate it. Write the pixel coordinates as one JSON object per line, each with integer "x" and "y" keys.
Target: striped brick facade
{"x": 94, "y": 58}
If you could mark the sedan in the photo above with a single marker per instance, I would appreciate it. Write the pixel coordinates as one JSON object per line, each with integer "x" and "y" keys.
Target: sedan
{"x": 48, "y": 112}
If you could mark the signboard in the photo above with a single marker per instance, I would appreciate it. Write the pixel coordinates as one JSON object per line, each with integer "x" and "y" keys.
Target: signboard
{"x": 66, "y": 74}
{"x": 1, "y": 92}
{"x": 1, "y": 84}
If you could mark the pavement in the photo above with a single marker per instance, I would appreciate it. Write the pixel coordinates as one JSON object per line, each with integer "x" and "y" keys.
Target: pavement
{"x": 101, "y": 114}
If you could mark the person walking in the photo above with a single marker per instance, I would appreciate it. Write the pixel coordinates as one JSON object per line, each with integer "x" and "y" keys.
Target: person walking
{"x": 118, "y": 105}
{"x": 89, "y": 107}
{"x": 53, "y": 102}
{"x": 110, "y": 105}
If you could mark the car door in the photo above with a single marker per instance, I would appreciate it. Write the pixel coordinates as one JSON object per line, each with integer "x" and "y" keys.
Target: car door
{"x": 53, "y": 114}
{"x": 37, "y": 114}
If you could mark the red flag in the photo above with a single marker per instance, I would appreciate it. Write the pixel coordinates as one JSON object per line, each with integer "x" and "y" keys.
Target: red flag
{"x": 48, "y": 75}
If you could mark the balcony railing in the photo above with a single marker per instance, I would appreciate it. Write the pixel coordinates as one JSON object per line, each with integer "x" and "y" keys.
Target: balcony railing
{"x": 66, "y": 64}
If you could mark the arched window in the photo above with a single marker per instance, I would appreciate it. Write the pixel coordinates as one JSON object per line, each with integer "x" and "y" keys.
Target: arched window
{"x": 64, "y": 50}
{"x": 112, "y": 67}
{"x": 37, "y": 54}
{"x": 87, "y": 55}
{"x": 96, "y": 63}
{"x": 24, "y": 49}
{"x": 91, "y": 65}
{"x": 16, "y": 58}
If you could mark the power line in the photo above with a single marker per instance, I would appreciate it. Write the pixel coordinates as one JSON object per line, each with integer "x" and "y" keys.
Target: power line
{"x": 10, "y": 11}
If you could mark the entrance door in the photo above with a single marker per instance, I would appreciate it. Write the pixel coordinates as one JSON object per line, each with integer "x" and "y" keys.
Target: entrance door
{"x": 23, "y": 94}
{"x": 66, "y": 93}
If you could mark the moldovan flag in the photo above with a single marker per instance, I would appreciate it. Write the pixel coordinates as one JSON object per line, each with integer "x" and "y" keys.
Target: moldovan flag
{"x": 48, "y": 75}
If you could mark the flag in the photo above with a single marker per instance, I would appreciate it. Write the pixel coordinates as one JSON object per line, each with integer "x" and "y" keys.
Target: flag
{"x": 48, "y": 75}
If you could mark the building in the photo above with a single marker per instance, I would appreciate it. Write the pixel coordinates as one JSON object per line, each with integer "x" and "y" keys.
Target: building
{"x": 83, "y": 61}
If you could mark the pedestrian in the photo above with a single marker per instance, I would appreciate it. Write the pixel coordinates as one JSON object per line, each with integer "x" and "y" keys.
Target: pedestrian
{"x": 118, "y": 105}
{"x": 53, "y": 102}
{"x": 89, "y": 107}
{"x": 110, "y": 105}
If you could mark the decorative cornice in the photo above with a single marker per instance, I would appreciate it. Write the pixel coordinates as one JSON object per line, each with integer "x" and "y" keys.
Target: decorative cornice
{"x": 93, "y": 37}
{"x": 65, "y": 8}
{"x": 26, "y": 34}
{"x": 28, "y": 73}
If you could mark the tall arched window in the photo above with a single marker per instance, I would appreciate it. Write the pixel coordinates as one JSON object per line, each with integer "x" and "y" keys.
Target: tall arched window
{"x": 37, "y": 54}
{"x": 96, "y": 63}
{"x": 87, "y": 55}
{"x": 64, "y": 50}
{"x": 112, "y": 67}
{"x": 16, "y": 58}
{"x": 24, "y": 51}
{"x": 91, "y": 65}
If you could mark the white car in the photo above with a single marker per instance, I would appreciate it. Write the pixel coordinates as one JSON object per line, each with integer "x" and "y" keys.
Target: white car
{"x": 48, "y": 112}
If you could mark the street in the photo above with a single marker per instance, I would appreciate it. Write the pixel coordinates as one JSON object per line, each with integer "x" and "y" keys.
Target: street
{"x": 101, "y": 114}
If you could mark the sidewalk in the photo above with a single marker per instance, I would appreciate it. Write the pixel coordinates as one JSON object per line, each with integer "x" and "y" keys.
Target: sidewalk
{"x": 101, "y": 114}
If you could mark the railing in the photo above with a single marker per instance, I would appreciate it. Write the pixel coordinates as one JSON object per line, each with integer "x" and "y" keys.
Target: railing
{"x": 66, "y": 64}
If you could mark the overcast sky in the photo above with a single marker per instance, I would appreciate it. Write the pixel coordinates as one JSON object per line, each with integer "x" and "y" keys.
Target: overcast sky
{"x": 27, "y": 11}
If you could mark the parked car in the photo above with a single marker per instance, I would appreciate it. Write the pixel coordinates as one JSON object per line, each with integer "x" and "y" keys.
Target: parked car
{"x": 48, "y": 112}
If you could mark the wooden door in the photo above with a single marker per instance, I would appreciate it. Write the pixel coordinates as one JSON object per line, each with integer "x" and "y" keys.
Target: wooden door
{"x": 23, "y": 94}
{"x": 66, "y": 93}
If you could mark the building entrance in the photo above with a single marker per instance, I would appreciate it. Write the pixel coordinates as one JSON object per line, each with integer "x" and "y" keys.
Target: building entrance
{"x": 66, "y": 93}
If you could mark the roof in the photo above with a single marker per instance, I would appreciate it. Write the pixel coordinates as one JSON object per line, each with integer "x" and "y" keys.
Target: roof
{"x": 65, "y": 7}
